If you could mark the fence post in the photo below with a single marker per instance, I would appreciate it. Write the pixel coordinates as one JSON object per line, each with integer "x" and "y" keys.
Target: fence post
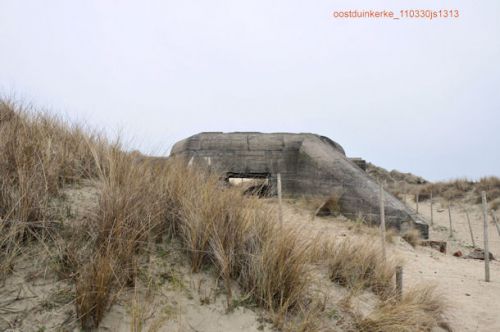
{"x": 432, "y": 212}
{"x": 416, "y": 200}
{"x": 399, "y": 282}
{"x": 405, "y": 192}
{"x": 486, "y": 248}
{"x": 382, "y": 219}
{"x": 470, "y": 227}
{"x": 280, "y": 211}
{"x": 449, "y": 216}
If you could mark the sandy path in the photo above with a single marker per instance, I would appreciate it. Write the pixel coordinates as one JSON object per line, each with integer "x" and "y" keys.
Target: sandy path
{"x": 474, "y": 304}
{"x": 461, "y": 233}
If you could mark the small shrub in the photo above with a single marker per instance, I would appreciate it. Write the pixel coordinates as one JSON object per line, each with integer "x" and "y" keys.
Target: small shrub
{"x": 358, "y": 264}
{"x": 421, "y": 309}
{"x": 93, "y": 291}
{"x": 276, "y": 272}
{"x": 130, "y": 209}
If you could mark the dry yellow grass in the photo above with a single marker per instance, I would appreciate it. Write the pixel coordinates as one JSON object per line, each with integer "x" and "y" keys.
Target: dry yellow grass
{"x": 277, "y": 272}
{"x": 358, "y": 264}
{"x": 140, "y": 202}
{"x": 241, "y": 238}
{"x": 128, "y": 219}
{"x": 217, "y": 226}
{"x": 93, "y": 290}
{"x": 457, "y": 189}
{"x": 40, "y": 154}
{"x": 420, "y": 309}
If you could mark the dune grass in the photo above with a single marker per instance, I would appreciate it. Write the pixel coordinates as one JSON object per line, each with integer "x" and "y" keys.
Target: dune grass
{"x": 40, "y": 154}
{"x": 141, "y": 202}
{"x": 421, "y": 309}
{"x": 453, "y": 190}
{"x": 359, "y": 264}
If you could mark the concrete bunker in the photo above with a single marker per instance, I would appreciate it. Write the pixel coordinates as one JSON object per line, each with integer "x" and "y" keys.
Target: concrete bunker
{"x": 309, "y": 164}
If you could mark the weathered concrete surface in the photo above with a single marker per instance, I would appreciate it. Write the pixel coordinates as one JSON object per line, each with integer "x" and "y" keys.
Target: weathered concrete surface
{"x": 309, "y": 165}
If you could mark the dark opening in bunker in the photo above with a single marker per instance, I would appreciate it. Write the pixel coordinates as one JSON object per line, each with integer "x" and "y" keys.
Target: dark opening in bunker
{"x": 258, "y": 184}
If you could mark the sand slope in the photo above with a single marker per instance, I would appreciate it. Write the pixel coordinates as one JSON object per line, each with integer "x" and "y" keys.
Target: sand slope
{"x": 474, "y": 305}
{"x": 167, "y": 297}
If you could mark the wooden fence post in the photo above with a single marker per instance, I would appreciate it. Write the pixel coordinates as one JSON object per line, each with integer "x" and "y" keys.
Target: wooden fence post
{"x": 382, "y": 219}
{"x": 486, "y": 248}
{"x": 416, "y": 200}
{"x": 404, "y": 192}
{"x": 432, "y": 212}
{"x": 470, "y": 227}
{"x": 399, "y": 282}
{"x": 280, "y": 202}
{"x": 449, "y": 216}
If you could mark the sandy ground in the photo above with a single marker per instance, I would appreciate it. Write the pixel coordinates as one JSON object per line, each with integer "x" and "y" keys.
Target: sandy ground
{"x": 170, "y": 298}
{"x": 474, "y": 305}
{"x": 461, "y": 234}
{"x": 182, "y": 302}
{"x": 166, "y": 297}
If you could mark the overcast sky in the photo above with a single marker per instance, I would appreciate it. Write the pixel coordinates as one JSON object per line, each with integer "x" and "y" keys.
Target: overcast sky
{"x": 414, "y": 95}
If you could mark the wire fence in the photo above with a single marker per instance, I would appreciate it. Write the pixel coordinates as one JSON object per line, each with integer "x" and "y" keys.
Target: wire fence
{"x": 460, "y": 216}
{"x": 463, "y": 227}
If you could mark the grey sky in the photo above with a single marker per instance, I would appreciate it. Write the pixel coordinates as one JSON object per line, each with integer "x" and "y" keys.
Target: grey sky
{"x": 414, "y": 95}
